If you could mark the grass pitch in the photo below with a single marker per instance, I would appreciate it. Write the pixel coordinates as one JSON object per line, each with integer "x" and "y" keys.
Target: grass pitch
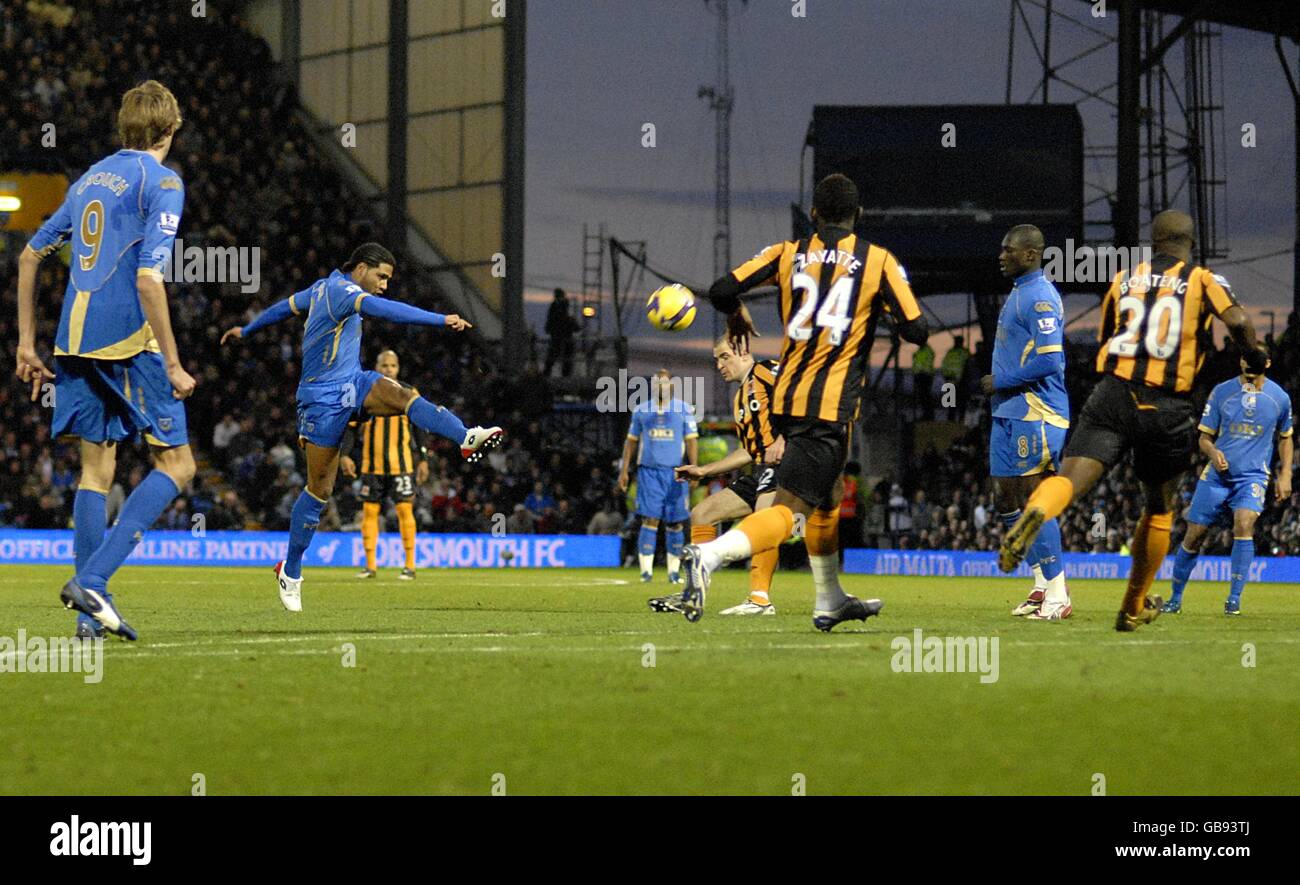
{"x": 536, "y": 681}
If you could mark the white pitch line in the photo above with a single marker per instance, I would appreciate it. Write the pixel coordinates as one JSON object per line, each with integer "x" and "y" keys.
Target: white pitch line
{"x": 342, "y": 581}
{"x": 176, "y": 649}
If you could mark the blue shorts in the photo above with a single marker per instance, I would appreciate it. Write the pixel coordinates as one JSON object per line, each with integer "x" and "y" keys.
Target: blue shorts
{"x": 1215, "y": 498}
{"x": 113, "y": 400}
{"x": 659, "y": 495}
{"x": 1024, "y": 448}
{"x": 324, "y": 410}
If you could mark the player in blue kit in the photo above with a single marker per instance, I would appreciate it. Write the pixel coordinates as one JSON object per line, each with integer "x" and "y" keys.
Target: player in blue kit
{"x": 1240, "y": 420}
{"x": 1031, "y": 410}
{"x": 333, "y": 389}
{"x": 117, "y": 372}
{"x": 662, "y": 433}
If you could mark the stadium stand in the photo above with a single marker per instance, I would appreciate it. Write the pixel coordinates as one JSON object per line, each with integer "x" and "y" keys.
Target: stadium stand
{"x": 252, "y": 178}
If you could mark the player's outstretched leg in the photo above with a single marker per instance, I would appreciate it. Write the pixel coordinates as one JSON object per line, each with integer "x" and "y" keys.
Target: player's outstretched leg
{"x": 764, "y": 530}
{"x": 387, "y": 397}
{"x": 474, "y": 441}
{"x": 1077, "y": 477}
{"x": 701, "y": 533}
{"x": 833, "y": 605}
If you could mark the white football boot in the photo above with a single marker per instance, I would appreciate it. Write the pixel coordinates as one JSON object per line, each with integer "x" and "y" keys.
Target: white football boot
{"x": 478, "y": 440}
{"x": 749, "y": 607}
{"x": 290, "y": 589}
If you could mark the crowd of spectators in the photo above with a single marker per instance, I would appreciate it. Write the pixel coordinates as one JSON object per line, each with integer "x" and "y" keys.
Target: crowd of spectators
{"x": 253, "y": 177}
{"x": 944, "y": 501}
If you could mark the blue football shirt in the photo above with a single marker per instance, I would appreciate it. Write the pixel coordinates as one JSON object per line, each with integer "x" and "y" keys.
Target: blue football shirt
{"x": 1244, "y": 422}
{"x": 662, "y": 431}
{"x": 121, "y": 217}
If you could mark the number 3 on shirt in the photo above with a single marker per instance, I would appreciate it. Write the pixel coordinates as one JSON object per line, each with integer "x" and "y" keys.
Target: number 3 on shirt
{"x": 833, "y": 313}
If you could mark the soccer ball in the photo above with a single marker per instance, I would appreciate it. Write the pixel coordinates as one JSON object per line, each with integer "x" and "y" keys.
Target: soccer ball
{"x": 671, "y": 308}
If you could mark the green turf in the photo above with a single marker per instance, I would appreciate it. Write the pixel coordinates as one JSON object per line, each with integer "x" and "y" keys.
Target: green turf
{"x": 539, "y": 676}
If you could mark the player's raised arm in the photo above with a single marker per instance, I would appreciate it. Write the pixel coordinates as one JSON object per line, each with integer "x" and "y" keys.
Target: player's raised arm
{"x": 276, "y": 313}
{"x": 725, "y": 294}
{"x": 400, "y": 312}
{"x": 1224, "y": 304}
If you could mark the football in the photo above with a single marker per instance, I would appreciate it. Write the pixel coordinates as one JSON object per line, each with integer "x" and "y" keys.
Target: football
{"x": 671, "y": 308}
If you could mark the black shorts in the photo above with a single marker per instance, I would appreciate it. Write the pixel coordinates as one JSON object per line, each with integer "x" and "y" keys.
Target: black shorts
{"x": 755, "y": 484}
{"x": 1160, "y": 428}
{"x": 815, "y": 454}
{"x": 375, "y": 488}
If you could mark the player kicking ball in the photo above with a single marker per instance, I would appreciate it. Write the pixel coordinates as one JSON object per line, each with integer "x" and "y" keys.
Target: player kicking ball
{"x": 760, "y": 447}
{"x": 834, "y": 285}
{"x": 1237, "y": 428}
{"x": 1031, "y": 410}
{"x": 333, "y": 388}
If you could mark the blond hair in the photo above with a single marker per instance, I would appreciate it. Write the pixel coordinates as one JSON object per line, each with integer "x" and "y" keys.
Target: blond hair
{"x": 149, "y": 114}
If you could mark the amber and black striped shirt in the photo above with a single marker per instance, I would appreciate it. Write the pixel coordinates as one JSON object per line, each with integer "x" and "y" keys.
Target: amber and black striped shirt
{"x": 752, "y": 408}
{"x": 390, "y": 446}
{"x": 832, "y": 293}
{"x": 1155, "y": 322}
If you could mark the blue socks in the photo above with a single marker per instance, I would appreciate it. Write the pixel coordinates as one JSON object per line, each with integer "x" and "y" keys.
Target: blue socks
{"x": 674, "y": 539}
{"x": 142, "y": 509}
{"x": 645, "y": 541}
{"x": 1243, "y": 552}
{"x": 1184, "y": 562}
{"x": 302, "y": 528}
{"x": 1046, "y": 549}
{"x": 435, "y": 419}
{"x": 89, "y": 520}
